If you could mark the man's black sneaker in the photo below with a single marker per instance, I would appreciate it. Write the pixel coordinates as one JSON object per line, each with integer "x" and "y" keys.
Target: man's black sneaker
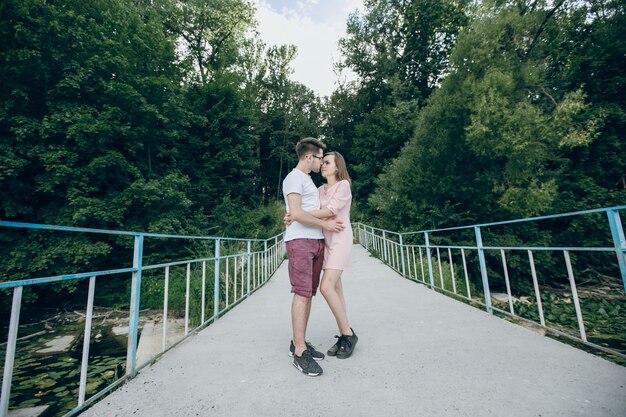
{"x": 346, "y": 345}
{"x": 334, "y": 348}
{"x": 318, "y": 356}
{"x": 306, "y": 364}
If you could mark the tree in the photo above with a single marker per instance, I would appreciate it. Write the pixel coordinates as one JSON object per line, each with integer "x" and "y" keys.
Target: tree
{"x": 510, "y": 133}
{"x": 218, "y": 149}
{"x": 284, "y": 112}
{"x": 94, "y": 106}
{"x": 91, "y": 95}
{"x": 400, "y": 51}
{"x": 212, "y": 32}
{"x": 409, "y": 41}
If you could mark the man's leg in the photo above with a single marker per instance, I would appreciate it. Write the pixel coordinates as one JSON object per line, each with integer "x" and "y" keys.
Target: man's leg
{"x": 308, "y": 314}
{"x": 300, "y": 311}
{"x": 301, "y": 254}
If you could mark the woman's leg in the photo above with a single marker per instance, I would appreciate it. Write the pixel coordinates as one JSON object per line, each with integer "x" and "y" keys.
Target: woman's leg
{"x": 339, "y": 288}
{"x": 332, "y": 290}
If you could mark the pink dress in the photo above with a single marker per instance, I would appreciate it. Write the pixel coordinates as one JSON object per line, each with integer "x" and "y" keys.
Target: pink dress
{"x": 338, "y": 246}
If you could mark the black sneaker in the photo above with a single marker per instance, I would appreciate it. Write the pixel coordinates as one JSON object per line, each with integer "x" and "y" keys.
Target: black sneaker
{"x": 306, "y": 364}
{"x": 318, "y": 356}
{"x": 334, "y": 348}
{"x": 346, "y": 345}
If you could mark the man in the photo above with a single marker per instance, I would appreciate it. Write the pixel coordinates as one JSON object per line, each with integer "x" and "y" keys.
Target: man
{"x": 304, "y": 242}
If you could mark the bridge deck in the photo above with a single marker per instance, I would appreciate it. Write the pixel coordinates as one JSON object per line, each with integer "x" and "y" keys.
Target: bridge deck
{"x": 419, "y": 353}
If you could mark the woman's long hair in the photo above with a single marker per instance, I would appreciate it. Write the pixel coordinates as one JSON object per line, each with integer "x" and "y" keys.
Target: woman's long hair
{"x": 342, "y": 170}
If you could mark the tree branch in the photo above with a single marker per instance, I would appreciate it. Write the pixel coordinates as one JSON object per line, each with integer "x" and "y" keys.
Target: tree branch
{"x": 542, "y": 27}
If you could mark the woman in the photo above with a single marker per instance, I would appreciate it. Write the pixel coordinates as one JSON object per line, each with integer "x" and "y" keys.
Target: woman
{"x": 335, "y": 200}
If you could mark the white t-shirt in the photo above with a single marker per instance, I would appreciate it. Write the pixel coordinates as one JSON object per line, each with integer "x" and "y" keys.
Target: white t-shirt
{"x": 300, "y": 183}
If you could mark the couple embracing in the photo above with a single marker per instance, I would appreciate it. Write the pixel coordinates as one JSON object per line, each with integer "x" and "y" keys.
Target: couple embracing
{"x": 318, "y": 237}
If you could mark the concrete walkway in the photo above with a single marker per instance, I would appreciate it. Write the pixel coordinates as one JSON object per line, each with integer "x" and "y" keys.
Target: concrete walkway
{"x": 419, "y": 354}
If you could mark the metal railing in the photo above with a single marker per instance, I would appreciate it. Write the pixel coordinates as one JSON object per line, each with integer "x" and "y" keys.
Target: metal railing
{"x": 414, "y": 256}
{"x": 236, "y": 275}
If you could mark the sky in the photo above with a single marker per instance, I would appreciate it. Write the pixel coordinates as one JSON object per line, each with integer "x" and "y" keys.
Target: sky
{"x": 314, "y": 26}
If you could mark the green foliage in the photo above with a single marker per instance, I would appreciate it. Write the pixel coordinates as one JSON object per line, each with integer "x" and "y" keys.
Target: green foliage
{"x": 517, "y": 126}
{"x": 171, "y": 117}
{"x": 285, "y": 112}
{"x": 138, "y": 116}
{"x": 212, "y": 32}
{"x": 405, "y": 41}
{"x": 603, "y": 318}
{"x": 400, "y": 50}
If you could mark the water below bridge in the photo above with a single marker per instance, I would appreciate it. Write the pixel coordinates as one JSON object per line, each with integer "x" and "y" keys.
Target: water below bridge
{"x": 420, "y": 353}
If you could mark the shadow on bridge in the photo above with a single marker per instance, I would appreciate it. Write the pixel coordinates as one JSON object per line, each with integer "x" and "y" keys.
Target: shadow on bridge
{"x": 419, "y": 353}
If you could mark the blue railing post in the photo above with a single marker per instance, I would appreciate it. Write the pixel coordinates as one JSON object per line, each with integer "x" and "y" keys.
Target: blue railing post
{"x": 617, "y": 231}
{"x": 248, "y": 272}
{"x": 386, "y": 255}
{"x": 216, "y": 281}
{"x": 9, "y": 357}
{"x": 402, "y": 255}
{"x": 483, "y": 269}
{"x": 82, "y": 385}
{"x": 430, "y": 261}
{"x": 265, "y": 261}
{"x": 136, "y": 271}
{"x": 277, "y": 254}
{"x": 133, "y": 325}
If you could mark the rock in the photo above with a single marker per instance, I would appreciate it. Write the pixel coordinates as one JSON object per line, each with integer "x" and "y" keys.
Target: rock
{"x": 120, "y": 330}
{"x": 58, "y": 344}
{"x": 30, "y": 412}
{"x": 534, "y": 327}
{"x": 497, "y": 297}
{"x": 151, "y": 339}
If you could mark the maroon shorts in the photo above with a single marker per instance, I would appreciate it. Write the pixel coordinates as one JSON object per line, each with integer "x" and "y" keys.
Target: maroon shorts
{"x": 306, "y": 257}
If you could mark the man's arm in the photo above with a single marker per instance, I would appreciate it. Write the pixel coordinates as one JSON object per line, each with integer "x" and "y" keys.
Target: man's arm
{"x": 339, "y": 200}
{"x": 321, "y": 213}
{"x": 295, "y": 209}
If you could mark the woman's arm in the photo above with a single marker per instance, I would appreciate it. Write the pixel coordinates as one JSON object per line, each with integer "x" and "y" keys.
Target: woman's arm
{"x": 340, "y": 199}
{"x": 342, "y": 196}
{"x": 297, "y": 214}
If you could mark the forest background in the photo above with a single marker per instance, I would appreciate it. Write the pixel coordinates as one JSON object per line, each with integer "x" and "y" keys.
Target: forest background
{"x": 172, "y": 116}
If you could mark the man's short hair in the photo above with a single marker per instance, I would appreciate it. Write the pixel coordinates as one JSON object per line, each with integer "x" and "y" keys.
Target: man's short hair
{"x": 309, "y": 145}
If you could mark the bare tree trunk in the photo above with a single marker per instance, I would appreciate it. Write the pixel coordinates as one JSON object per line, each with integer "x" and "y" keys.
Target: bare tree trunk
{"x": 280, "y": 171}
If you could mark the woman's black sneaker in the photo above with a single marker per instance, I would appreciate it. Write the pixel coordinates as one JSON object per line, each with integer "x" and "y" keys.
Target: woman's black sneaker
{"x": 318, "y": 356}
{"x": 334, "y": 348}
{"x": 346, "y": 345}
{"x": 306, "y": 364}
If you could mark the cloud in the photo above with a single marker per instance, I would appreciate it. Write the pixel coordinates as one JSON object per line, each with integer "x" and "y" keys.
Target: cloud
{"x": 314, "y": 29}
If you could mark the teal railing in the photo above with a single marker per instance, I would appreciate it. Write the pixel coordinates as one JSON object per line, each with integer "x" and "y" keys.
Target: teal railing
{"x": 468, "y": 263}
{"x": 238, "y": 268}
